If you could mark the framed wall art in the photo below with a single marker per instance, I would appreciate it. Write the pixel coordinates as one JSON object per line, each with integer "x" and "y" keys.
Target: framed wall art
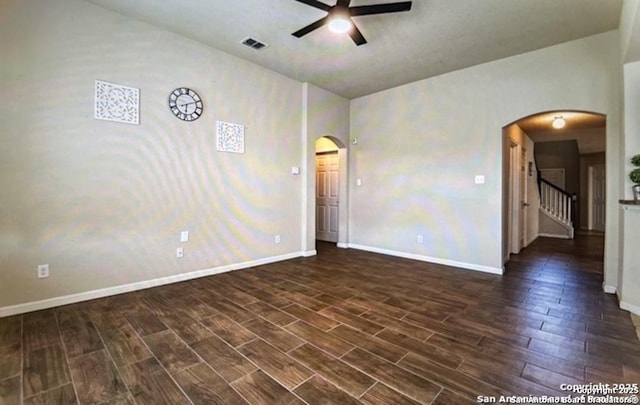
{"x": 114, "y": 102}
{"x": 230, "y": 137}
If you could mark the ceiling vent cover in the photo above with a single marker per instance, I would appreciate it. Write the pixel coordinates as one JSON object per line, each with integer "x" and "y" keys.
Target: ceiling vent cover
{"x": 254, "y": 44}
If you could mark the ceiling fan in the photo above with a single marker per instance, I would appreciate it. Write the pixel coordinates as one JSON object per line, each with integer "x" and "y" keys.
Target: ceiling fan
{"x": 339, "y": 16}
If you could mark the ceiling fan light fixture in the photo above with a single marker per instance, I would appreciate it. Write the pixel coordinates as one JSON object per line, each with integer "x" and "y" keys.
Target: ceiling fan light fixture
{"x": 338, "y": 17}
{"x": 558, "y": 122}
{"x": 340, "y": 24}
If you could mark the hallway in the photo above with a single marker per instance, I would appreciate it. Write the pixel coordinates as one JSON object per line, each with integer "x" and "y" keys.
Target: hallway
{"x": 555, "y": 257}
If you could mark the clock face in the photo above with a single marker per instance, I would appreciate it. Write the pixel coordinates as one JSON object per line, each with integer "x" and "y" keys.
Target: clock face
{"x": 185, "y": 104}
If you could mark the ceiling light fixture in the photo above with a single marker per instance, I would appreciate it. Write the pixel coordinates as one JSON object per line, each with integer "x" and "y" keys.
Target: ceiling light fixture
{"x": 558, "y": 122}
{"x": 340, "y": 25}
{"x": 340, "y": 22}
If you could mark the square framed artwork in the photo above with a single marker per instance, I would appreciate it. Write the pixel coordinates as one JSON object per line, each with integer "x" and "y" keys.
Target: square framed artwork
{"x": 230, "y": 137}
{"x": 114, "y": 102}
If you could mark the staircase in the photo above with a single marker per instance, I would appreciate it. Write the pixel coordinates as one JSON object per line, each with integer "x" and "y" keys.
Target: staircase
{"x": 557, "y": 209}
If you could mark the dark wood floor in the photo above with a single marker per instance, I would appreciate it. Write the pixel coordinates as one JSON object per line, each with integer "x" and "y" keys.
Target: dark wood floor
{"x": 344, "y": 327}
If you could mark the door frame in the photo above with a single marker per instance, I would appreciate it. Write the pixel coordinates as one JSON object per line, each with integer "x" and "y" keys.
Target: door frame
{"x": 337, "y": 154}
{"x": 515, "y": 201}
{"x": 343, "y": 206}
{"x": 590, "y": 177}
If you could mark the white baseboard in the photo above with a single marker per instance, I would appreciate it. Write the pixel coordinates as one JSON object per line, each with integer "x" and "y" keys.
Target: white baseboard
{"x": 554, "y": 235}
{"x": 422, "y": 258}
{"x": 309, "y": 253}
{"x": 343, "y": 245}
{"x": 634, "y": 309}
{"x": 142, "y": 285}
{"x": 609, "y": 289}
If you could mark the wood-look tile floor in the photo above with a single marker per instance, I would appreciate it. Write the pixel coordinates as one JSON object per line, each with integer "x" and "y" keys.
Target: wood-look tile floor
{"x": 344, "y": 327}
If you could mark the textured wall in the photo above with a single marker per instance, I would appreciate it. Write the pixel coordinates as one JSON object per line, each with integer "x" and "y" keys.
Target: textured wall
{"x": 103, "y": 203}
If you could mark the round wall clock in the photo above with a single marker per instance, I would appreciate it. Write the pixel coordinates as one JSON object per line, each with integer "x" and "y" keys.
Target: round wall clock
{"x": 185, "y": 104}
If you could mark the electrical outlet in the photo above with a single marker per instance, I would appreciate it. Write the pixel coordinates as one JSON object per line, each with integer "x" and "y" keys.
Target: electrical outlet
{"x": 277, "y": 238}
{"x": 419, "y": 239}
{"x": 43, "y": 270}
{"x": 179, "y": 252}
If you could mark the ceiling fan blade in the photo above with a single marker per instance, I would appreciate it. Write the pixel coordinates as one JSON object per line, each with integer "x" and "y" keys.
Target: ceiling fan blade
{"x": 356, "y": 35}
{"x": 380, "y": 8}
{"x": 343, "y": 3}
{"x": 311, "y": 27}
{"x": 316, "y": 4}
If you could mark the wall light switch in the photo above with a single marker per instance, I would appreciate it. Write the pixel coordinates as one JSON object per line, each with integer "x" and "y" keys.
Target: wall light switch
{"x": 43, "y": 270}
{"x": 295, "y": 170}
{"x": 358, "y": 182}
{"x": 479, "y": 179}
{"x": 184, "y": 236}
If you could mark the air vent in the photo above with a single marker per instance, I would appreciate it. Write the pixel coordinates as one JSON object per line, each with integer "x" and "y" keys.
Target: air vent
{"x": 254, "y": 44}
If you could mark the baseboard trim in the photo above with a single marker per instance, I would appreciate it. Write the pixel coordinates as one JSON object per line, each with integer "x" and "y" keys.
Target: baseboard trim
{"x": 554, "y": 235}
{"x": 343, "y": 245}
{"x": 609, "y": 289}
{"x": 634, "y": 309}
{"x": 142, "y": 285}
{"x": 429, "y": 259}
{"x": 309, "y": 253}
{"x": 533, "y": 239}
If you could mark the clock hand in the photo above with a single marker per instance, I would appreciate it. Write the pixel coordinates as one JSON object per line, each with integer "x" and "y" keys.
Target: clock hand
{"x": 186, "y": 104}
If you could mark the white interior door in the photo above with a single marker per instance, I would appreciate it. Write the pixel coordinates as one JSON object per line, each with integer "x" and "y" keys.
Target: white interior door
{"x": 597, "y": 197}
{"x": 514, "y": 200}
{"x": 517, "y": 215}
{"x": 522, "y": 215}
{"x": 327, "y": 196}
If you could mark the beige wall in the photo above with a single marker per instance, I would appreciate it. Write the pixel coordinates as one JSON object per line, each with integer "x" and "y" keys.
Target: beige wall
{"x": 326, "y": 114}
{"x": 103, "y": 203}
{"x": 421, "y": 145}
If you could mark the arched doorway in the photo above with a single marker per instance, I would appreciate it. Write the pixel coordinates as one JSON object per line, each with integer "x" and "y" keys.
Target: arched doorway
{"x": 330, "y": 190}
{"x": 553, "y": 177}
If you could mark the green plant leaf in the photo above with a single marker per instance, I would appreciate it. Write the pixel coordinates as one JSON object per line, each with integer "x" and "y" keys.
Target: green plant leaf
{"x": 635, "y": 176}
{"x": 635, "y": 160}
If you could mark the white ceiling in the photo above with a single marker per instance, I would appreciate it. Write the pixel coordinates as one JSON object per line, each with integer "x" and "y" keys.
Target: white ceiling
{"x": 435, "y": 37}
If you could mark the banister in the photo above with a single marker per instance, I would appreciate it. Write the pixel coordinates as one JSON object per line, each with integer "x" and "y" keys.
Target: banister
{"x": 558, "y": 189}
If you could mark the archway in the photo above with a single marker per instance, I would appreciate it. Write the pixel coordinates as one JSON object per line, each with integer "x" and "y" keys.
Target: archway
{"x": 553, "y": 177}
{"x": 330, "y": 191}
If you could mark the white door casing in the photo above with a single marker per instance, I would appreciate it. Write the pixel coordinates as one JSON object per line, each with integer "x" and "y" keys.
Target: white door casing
{"x": 517, "y": 214}
{"x": 514, "y": 199}
{"x": 522, "y": 180}
{"x": 327, "y": 196}
{"x": 597, "y": 197}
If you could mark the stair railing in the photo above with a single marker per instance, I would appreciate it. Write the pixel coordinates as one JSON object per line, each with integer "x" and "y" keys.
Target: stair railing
{"x": 556, "y": 202}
